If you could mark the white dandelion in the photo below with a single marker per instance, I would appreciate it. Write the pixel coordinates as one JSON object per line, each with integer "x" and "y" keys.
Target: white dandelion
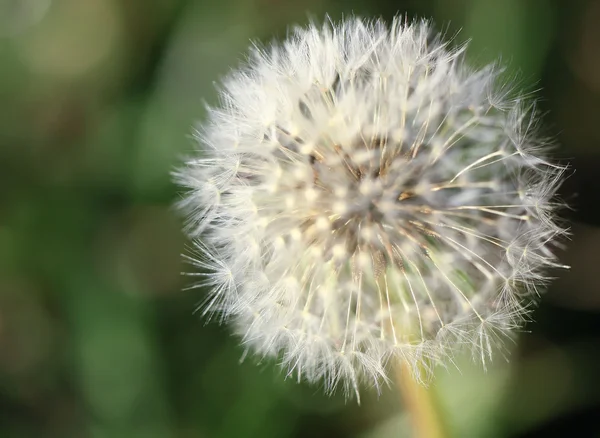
{"x": 363, "y": 196}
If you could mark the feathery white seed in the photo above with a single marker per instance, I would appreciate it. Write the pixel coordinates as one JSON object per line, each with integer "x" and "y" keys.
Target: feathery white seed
{"x": 362, "y": 195}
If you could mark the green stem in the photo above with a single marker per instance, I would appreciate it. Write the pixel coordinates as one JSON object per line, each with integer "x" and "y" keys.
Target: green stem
{"x": 421, "y": 404}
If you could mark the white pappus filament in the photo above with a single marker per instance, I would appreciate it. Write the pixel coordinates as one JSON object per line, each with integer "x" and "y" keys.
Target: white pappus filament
{"x": 363, "y": 196}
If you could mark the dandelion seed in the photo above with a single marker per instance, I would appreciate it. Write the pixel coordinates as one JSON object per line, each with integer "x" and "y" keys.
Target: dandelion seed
{"x": 366, "y": 197}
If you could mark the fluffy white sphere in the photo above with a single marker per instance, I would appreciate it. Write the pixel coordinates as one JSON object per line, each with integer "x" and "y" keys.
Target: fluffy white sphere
{"x": 363, "y": 196}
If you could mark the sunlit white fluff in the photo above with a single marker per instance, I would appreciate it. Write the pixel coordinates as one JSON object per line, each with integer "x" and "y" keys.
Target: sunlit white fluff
{"x": 362, "y": 196}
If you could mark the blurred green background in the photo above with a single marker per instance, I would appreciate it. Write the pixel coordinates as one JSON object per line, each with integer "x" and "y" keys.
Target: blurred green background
{"x": 97, "y": 338}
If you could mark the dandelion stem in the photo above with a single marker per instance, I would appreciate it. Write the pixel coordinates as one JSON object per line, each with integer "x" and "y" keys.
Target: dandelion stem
{"x": 421, "y": 405}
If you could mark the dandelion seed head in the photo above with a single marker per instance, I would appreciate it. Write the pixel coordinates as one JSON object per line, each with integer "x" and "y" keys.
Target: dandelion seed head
{"x": 362, "y": 196}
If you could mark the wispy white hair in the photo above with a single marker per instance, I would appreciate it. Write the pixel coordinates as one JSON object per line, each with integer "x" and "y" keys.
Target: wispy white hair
{"x": 362, "y": 196}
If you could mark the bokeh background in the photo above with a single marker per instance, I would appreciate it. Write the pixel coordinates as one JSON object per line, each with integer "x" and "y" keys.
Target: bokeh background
{"x": 98, "y": 337}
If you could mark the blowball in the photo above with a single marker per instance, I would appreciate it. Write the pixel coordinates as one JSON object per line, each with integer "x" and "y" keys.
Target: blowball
{"x": 362, "y": 196}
